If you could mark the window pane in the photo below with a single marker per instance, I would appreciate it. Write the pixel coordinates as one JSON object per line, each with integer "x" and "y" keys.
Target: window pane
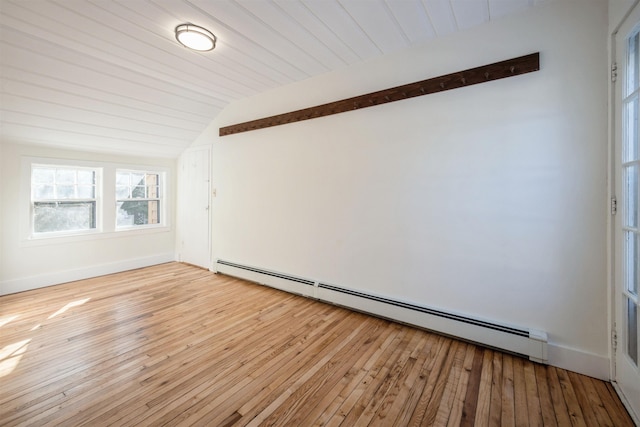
{"x": 138, "y": 192}
{"x": 86, "y": 177}
{"x": 86, "y": 192}
{"x": 138, "y": 213}
{"x": 632, "y": 256}
{"x": 154, "y": 212}
{"x": 43, "y": 192}
{"x": 631, "y": 130}
{"x": 631, "y": 174}
{"x": 153, "y": 191}
{"x": 632, "y": 330}
{"x": 122, "y": 192}
{"x": 632, "y": 64}
{"x": 137, "y": 178}
{"x": 64, "y": 216}
{"x": 65, "y": 176}
{"x": 43, "y": 175}
{"x": 122, "y": 178}
{"x": 65, "y": 192}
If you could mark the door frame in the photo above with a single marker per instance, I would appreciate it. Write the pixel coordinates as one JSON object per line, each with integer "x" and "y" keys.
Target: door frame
{"x": 206, "y": 149}
{"x": 612, "y": 222}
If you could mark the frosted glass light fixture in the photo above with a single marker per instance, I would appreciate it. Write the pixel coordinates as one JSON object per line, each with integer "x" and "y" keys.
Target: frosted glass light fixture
{"x": 195, "y": 37}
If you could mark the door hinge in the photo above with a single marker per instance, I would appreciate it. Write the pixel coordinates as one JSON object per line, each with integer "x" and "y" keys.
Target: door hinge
{"x": 614, "y": 339}
{"x": 614, "y": 206}
{"x": 614, "y": 72}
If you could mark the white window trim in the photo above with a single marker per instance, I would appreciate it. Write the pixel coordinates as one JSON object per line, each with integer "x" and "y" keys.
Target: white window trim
{"x": 105, "y": 218}
{"x": 98, "y": 200}
{"x": 162, "y": 198}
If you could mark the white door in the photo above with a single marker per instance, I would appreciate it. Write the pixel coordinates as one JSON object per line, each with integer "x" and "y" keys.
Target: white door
{"x": 627, "y": 221}
{"x": 194, "y": 234}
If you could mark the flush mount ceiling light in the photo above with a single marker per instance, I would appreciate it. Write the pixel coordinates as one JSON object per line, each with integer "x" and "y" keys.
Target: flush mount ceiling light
{"x": 194, "y": 37}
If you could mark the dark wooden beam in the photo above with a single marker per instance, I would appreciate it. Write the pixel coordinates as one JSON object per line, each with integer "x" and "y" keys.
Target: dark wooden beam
{"x": 498, "y": 70}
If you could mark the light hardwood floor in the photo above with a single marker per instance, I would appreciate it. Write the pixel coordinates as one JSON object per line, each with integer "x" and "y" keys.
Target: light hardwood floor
{"x": 177, "y": 345}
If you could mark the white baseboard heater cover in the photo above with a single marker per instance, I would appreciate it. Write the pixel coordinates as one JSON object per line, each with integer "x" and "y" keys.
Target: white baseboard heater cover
{"x": 529, "y": 343}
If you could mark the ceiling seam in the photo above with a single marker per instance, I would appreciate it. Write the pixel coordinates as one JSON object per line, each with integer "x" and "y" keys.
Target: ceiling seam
{"x": 248, "y": 12}
{"x": 74, "y": 64}
{"x": 319, "y": 40}
{"x": 95, "y": 135}
{"x": 162, "y": 76}
{"x": 229, "y": 28}
{"x": 453, "y": 13}
{"x": 190, "y": 114}
{"x": 364, "y": 32}
{"x": 259, "y": 85}
{"x": 320, "y": 20}
{"x": 396, "y": 22}
{"x": 426, "y": 12}
{"x": 287, "y": 78}
{"x": 258, "y": 77}
{"x": 161, "y": 123}
{"x": 88, "y": 110}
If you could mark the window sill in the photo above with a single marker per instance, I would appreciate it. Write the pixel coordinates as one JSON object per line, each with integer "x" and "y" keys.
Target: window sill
{"x": 142, "y": 228}
{"x": 44, "y": 240}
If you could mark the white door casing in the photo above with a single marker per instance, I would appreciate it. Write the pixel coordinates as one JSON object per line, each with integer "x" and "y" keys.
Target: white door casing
{"x": 194, "y": 201}
{"x": 626, "y": 245}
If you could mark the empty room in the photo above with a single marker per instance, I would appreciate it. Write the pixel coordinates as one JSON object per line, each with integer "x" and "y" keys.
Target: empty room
{"x": 319, "y": 212}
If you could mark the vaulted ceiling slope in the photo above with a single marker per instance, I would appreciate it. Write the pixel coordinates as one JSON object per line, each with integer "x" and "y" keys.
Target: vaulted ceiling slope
{"x": 109, "y": 76}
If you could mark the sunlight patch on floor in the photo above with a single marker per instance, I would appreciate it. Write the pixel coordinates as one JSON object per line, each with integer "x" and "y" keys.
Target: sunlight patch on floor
{"x": 10, "y": 356}
{"x": 68, "y": 306}
{"x": 7, "y": 319}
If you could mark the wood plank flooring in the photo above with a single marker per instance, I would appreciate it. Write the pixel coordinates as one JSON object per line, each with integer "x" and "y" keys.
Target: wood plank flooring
{"x": 175, "y": 345}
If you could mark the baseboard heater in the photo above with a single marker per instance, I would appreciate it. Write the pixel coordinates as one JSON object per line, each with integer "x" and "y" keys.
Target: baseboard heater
{"x": 529, "y": 343}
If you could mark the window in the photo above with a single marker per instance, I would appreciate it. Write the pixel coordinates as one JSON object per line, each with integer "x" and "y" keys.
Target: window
{"x": 72, "y": 199}
{"x": 138, "y": 198}
{"x": 631, "y": 197}
{"x": 63, "y": 199}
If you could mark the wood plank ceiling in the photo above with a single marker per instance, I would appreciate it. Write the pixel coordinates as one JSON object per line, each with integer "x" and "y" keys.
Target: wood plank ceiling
{"x": 109, "y": 76}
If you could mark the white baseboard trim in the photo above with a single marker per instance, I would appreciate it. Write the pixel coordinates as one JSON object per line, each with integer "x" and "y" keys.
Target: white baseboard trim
{"x": 579, "y": 361}
{"x": 557, "y": 355}
{"x": 43, "y": 280}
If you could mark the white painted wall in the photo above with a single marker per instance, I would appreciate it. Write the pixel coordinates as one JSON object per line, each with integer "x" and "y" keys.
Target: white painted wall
{"x": 489, "y": 200}
{"x": 617, "y": 11}
{"x": 27, "y": 264}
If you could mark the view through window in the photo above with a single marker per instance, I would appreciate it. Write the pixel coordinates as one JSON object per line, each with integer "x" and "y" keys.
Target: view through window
{"x": 63, "y": 198}
{"x": 138, "y": 198}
